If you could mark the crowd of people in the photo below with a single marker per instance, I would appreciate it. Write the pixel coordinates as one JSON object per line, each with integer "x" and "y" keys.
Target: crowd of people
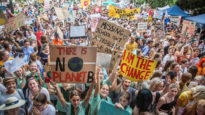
{"x": 176, "y": 87}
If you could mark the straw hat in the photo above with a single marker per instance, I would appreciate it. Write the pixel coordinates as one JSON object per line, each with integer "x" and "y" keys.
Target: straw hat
{"x": 11, "y": 103}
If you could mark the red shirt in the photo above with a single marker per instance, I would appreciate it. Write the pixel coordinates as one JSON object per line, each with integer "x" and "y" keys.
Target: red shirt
{"x": 38, "y": 36}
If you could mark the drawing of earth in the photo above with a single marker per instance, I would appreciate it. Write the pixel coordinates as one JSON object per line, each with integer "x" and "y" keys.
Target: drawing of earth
{"x": 75, "y": 64}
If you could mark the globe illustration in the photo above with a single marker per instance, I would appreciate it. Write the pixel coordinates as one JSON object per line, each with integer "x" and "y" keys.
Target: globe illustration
{"x": 75, "y": 64}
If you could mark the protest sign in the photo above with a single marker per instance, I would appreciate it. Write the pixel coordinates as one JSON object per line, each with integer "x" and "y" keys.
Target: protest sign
{"x": 72, "y": 64}
{"x": 94, "y": 21}
{"x": 142, "y": 26}
{"x": 158, "y": 14}
{"x": 46, "y": 5}
{"x": 15, "y": 22}
{"x": 110, "y": 38}
{"x": 59, "y": 13}
{"x": 110, "y": 109}
{"x": 175, "y": 20}
{"x": 119, "y": 13}
{"x": 85, "y": 3}
{"x": 3, "y": 19}
{"x": 188, "y": 27}
{"x": 66, "y": 12}
{"x": 136, "y": 68}
{"x": 103, "y": 59}
{"x": 77, "y": 31}
{"x": 13, "y": 65}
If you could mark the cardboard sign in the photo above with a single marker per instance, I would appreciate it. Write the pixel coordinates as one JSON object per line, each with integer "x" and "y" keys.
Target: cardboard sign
{"x": 110, "y": 38}
{"x": 189, "y": 27}
{"x": 72, "y": 64}
{"x": 77, "y": 31}
{"x": 66, "y": 12}
{"x": 136, "y": 68}
{"x": 59, "y": 13}
{"x": 13, "y": 65}
{"x": 110, "y": 109}
{"x": 119, "y": 13}
{"x": 15, "y": 22}
{"x": 103, "y": 59}
{"x": 3, "y": 19}
{"x": 158, "y": 14}
{"x": 175, "y": 20}
{"x": 142, "y": 26}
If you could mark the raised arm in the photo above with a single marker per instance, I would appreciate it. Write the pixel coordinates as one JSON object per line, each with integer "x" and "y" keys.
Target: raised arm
{"x": 59, "y": 94}
{"x": 97, "y": 89}
{"x": 88, "y": 95}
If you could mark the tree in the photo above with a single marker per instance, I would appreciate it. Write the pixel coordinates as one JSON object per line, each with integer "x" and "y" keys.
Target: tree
{"x": 196, "y": 7}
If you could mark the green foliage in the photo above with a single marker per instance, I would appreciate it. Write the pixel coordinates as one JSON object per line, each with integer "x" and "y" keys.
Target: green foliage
{"x": 157, "y": 3}
{"x": 196, "y": 7}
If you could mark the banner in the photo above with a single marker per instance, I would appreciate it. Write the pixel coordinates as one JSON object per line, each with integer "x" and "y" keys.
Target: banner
{"x": 110, "y": 38}
{"x": 119, "y": 13}
{"x": 136, "y": 68}
{"x": 77, "y": 31}
{"x": 142, "y": 26}
{"x": 15, "y": 22}
{"x": 3, "y": 19}
{"x": 189, "y": 27}
{"x": 175, "y": 20}
{"x": 13, "y": 65}
{"x": 72, "y": 64}
{"x": 110, "y": 109}
{"x": 103, "y": 59}
{"x": 158, "y": 14}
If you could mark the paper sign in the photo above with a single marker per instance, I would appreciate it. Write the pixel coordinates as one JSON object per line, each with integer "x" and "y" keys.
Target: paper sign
{"x": 136, "y": 68}
{"x": 110, "y": 109}
{"x": 72, "y": 64}
{"x": 94, "y": 22}
{"x": 77, "y": 31}
{"x": 15, "y": 22}
{"x": 158, "y": 14}
{"x": 119, "y": 13}
{"x": 142, "y": 26}
{"x": 189, "y": 27}
{"x": 175, "y": 20}
{"x": 66, "y": 12}
{"x": 103, "y": 59}
{"x": 13, "y": 65}
{"x": 59, "y": 13}
{"x": 110, "y": 38}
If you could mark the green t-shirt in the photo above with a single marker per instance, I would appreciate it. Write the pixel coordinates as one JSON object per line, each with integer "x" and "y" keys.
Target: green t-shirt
{"x": 70, "y": 110}
{"x": 95, "y": 103}
{"x": 37, "y": 77}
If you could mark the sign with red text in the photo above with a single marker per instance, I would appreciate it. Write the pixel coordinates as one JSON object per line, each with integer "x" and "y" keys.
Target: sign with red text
{"x": 188, "y": 27}
{"x": 136, "y": 68}
{"x": 72, "y": 64}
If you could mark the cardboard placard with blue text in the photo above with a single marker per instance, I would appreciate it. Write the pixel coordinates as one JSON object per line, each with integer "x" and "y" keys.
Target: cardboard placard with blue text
{"x": 136, "y": 68}
{"x": 72, "y": 64}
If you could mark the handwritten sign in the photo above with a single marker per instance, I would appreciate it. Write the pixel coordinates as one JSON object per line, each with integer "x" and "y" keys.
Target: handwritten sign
{"x": 13, "y": 65}
{"x": 94, "y": 21}
{"x": 158, "y": 14}
{"x": 175, "y": 20}
{"x": 119, "y": 13}
{"x": 110, "y": 38}
{"x": 59, "y": 13}
{"x": 189, "y": 27}
{"x": 142, "y": 26}
{"x": 77, "y": 31}
{"x": 72, "y": 64}
{"x": 15, "y": 22}
{"x": 136, "y": 68}
{"x": 109, "y": 109}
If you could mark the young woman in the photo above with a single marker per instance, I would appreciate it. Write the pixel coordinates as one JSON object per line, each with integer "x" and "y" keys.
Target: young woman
{"x": 4, "y": 56}
{"x": 168, "y": 101}
{"x": 41, "y": 106}
{"x": 186, "y": 78}
{"x": 75, "y": 106}
{"x": 201, "y": 67}
{"x": 21, "y": 77}
{"x": 11, "y": 91}
{"x": 196, "y": 109}
{"x": 143, "y": 102}
{"x": 124, "y": 102}
{"x": 34, "y": 89}
{"x": 43, "y": 55}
